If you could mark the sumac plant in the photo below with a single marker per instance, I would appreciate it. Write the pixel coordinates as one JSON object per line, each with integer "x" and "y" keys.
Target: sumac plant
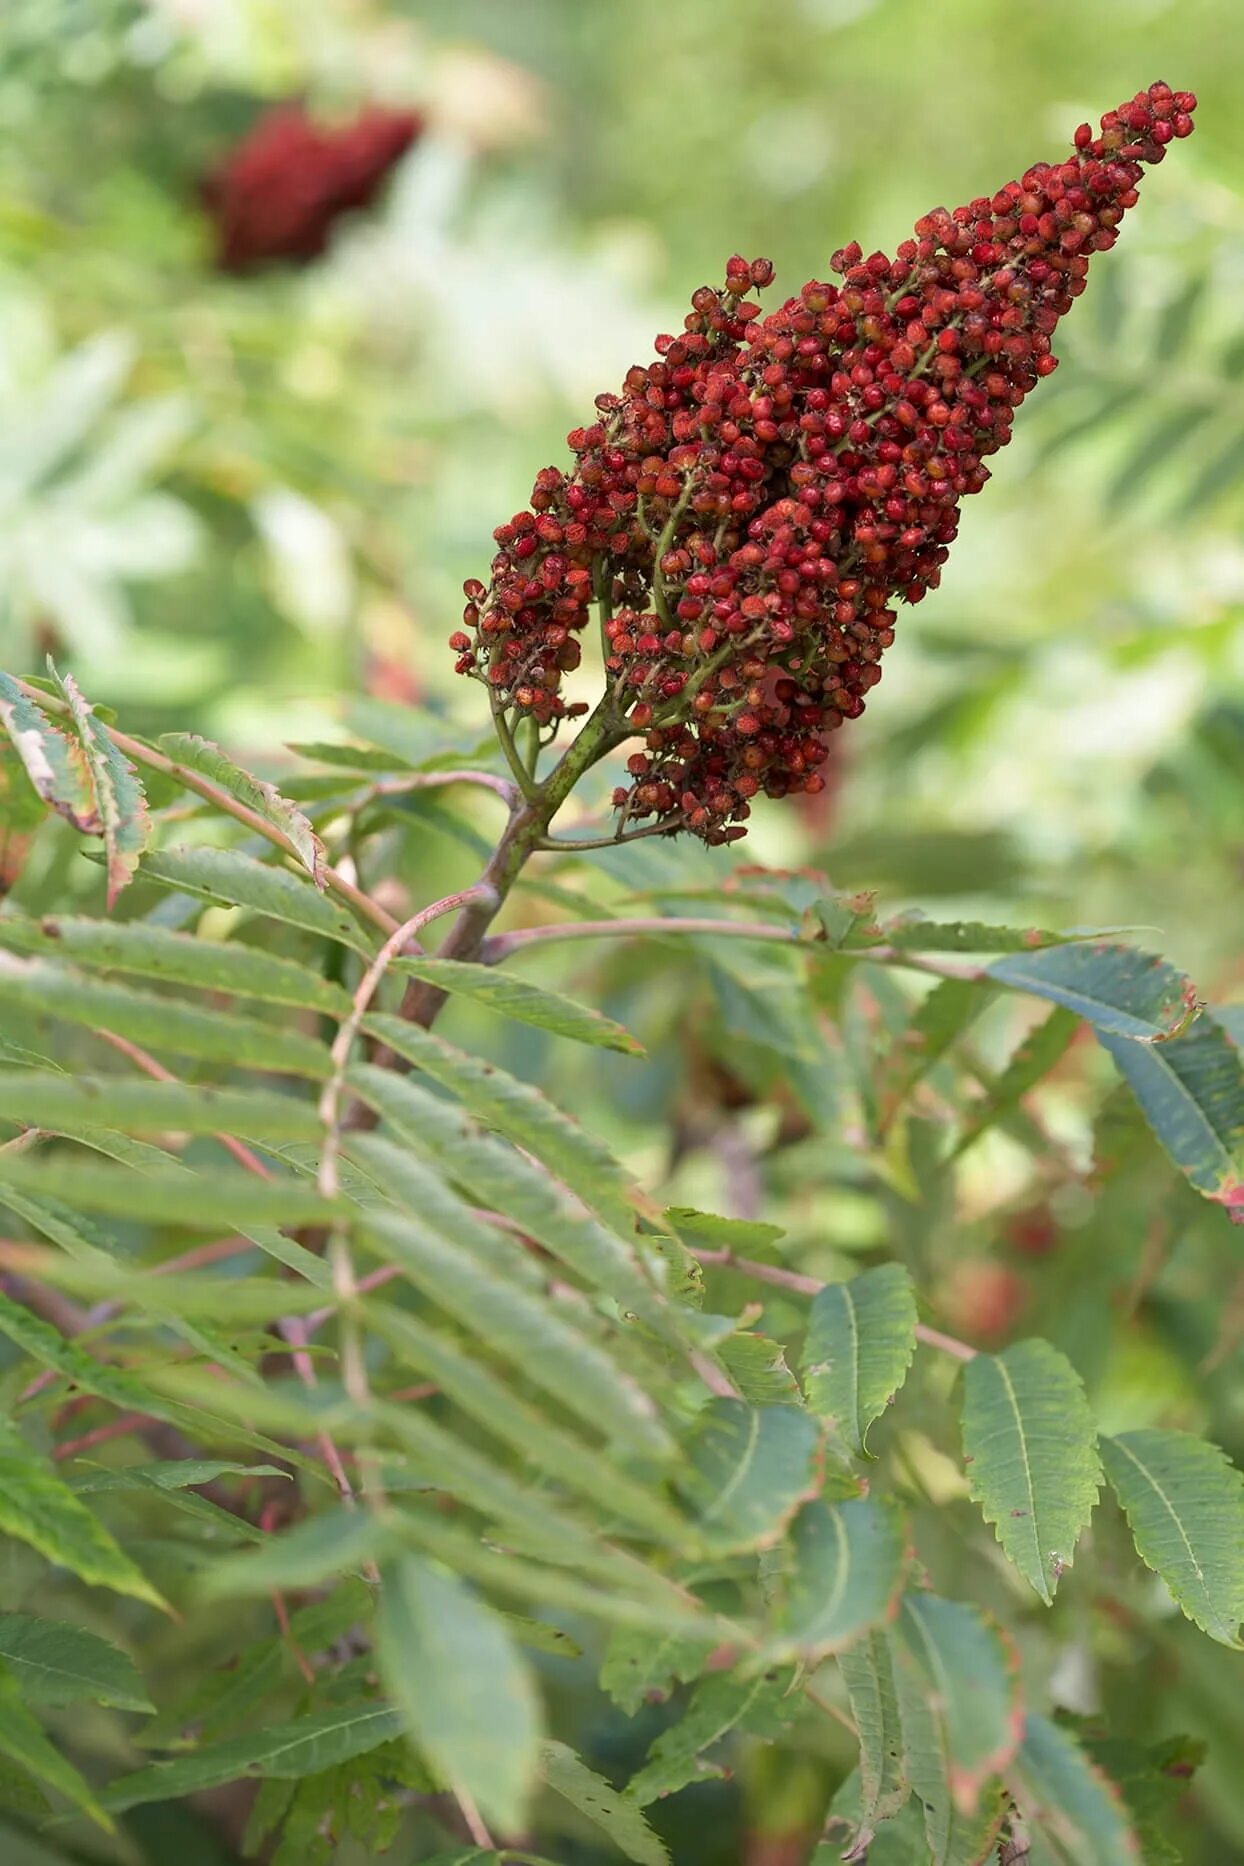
{"x": 395, "y": 1467}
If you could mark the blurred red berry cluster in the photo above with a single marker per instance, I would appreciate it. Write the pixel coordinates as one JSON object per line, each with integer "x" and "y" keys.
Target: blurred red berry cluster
{"x": 277, "y": 195}
{"x": 751, "y": 507}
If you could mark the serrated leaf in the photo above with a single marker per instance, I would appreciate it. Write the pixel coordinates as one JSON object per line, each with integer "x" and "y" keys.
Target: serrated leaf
{"x": 207, "y": 1201}
{"x": 54, "y": 763}
{"x": 334, "y": 1542}
{"x": 746, "y": 1471}
{"x": 1070, "y": 1800}
{"x": 37, "y": 1508}
{"x": 1151, "y": 1778}
{"x": 744, "y": 1237}
{"x": 1029, "y": 1064}
{"x": 763, "y": 1704}
{"x": 521, "y": 1113}
{"x": 119, "y": 797}
{"x": 145, "y": 1107}
{"x": 284, "y": 1751}
{"x": 1031, "y": 1447}
{"x": 161, "y": 1023}
{"x": 440, "y": 1141}
{"x": 523, "y": 1328}
{"x": 195, "y": 754}
{"x": 913, "y": 933}
{"x": 465, "y": 1692}
{"x": 971, "y": 1692}
{"x": 56, "y": 1663}
{"x": 484, "y": 1396}
{"x": 517, "y": 998}
{"x": 1119, "y": 990}
{"x": 617, "y": 1816}
{"x": 951, "y": 1836}
{"x": 1184, "y": 1502}
{"x": 1192, "y": 1093}
{"x": 859, "y": 1344}
{"x": 844, "y": 1575}
{"x": 757, "y": 1369}
{"x": 229, "y": 879}
{"x": 160, "y": 954}
{"x": 642, "y": 1667}
{"x": 867, "y": 1669}
{"x": 936, "y": 1024}
{"x": 23, "y": 1741}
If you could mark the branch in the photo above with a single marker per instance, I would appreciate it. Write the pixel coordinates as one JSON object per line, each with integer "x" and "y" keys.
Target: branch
{"x": 811, "y": 1286}
{"x": 141, "y": 754}
{"x": 148, "y": 1064}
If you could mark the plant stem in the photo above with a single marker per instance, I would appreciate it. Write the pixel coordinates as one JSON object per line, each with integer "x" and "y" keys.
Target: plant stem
{"x": 811, "y": 1286}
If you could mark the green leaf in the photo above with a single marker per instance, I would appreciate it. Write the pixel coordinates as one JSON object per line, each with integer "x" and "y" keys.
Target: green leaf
{"x": 1120, "y": 991}
{"x": 953, "y": 1836}
{"x": 337, "y": 1541}
{"x": 36, "y": 1507}
{"x": 54, "y": 763}
{"x": 971, "y": 1692}
{"x": 898, "y": 1840}
{"x": 1069, "y": 1800}
{"x": 746, "y": 1471}
{"x": 1184, "y": 1502}
{"x": 466, "y": 1694}
{"x": 575, "y": 1463}
{"x": 523, "y": 1328}
{"x": 162, "y": 1023}
{"x": 148, "y": 1107}
{"x": 284, "y": 1751}
{"x": 504, "y": 1179}
{"x": 765, "y": 1704}
{"x": 525, "y": 1002}
{"x": 912, "y": 933}
{"x": 860, "y": 1341}
{"x": 1151, "y": 1778}
{"x": 1030, "y": 1063}
{"x": 195, "y": 754}
{"x": 207, "y": 1201}
{"x": 641, "y": 1667}
{"x": 617, "y": 1816}
{"x": 844, "y": 1576}
{"x": 1192, "y": 1093}
{"x": 1031, "y": 1449}
{"x": 161, "y": 955}
{"x": 56, "y": 1663}
{"x": 867, "y": 1669}
{"x": 23, "y": 1741}
{"x": 119, "y": 798}
{"x": 757, "y": 1368}
{"x": 936, "y": 1024}
{"x": 229, "y": 879}
{"x": 521, "y": 1113}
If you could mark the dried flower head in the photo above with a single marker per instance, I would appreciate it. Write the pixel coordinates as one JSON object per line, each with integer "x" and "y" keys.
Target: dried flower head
{"x": 750, "y": 509}
{"x": 277, "y": 195}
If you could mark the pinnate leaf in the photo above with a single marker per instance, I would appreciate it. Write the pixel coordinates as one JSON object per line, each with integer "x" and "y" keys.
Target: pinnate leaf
{"x": 120, "y": 802}
{"x": 1069, "y": 1800}
{"x": 526, "y": 1003}
{"x": 1117, "y": 989}
{"x": 860, "y": 1341}
{"x": 56, "y": 1663}
{"x": 23, "y": 1741}
{"x": 1192, "y": 1093}
{"x": 967, "y": 1677}
{"x": 747, "y": 1470}
{"x": 54, "y": 763}
{"x": 465, "y": 1692}
{"x": 1184, "y": 1502}
{"x": 617, "y": 1816}
{"x": 763, "y": 1704}
{"x": 192, "y": 753}
{"x": 845, "y": 1572}
{"x": 1031, "y": 1448}
{"x": 227, "y": 878}
{"x": 284, "y": 1751}
{"x": 37, "y": 1508}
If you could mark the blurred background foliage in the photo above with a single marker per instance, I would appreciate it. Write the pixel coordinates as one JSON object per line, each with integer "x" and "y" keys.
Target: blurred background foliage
{"x": 244, "y": 504}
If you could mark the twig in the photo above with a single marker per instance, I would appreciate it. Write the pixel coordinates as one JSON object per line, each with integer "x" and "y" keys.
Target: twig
{"x": 552, "y": 845}
{"x": 430, "y": 780}
{"x": 292, "y": 1330}
{"x": 812, "y": 1286}
{"x": 474, "y": 1820}
{"x": 134, "y": 749}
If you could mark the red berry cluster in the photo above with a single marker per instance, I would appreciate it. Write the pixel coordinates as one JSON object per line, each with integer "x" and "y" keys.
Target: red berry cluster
{"x": 751, "y": 507}
{"x": 278, "y": 193}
